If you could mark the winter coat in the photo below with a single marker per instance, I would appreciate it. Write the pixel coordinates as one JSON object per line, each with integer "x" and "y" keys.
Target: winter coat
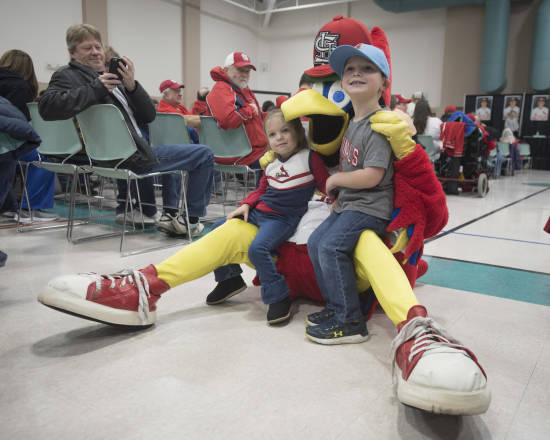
{"x": 15, "y": 124}
{"x": 75, "y": 87}
{"x": 16, "y": 90}
{"x": 233, "y": 107}
{"x": 199, "y": 108}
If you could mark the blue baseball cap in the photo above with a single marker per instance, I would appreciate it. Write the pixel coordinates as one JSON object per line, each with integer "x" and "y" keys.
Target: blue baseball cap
{"x": 342, "y": 54}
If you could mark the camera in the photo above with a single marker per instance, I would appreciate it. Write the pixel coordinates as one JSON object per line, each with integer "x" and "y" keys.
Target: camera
{"x": 113, "y": 66}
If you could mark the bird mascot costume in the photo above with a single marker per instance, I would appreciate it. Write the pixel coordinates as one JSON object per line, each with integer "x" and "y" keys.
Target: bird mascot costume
{"x": 432, "y": 370}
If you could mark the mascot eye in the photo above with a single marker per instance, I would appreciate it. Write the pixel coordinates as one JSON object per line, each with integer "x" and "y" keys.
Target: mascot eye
{"x": 333, "y": 92}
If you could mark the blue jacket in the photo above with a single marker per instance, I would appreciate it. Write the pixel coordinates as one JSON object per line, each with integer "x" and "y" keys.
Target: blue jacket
{"x": 15, "y": 124}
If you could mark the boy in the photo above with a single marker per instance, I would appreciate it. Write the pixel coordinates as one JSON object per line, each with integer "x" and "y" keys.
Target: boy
{"x": 363, "y": 191}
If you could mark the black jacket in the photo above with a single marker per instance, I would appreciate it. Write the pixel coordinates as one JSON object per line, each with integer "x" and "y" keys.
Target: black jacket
{"x": 75, "y": 87}
{"x": 16, "y": 90}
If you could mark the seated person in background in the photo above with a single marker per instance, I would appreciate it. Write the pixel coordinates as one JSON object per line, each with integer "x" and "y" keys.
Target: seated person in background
{"x": 171, "y": 103}
{"x": 449, "y": 110}
{"x": 509, "y": 138}
{"x": 233, "y": 104}
{"x": 398, "y": 104}
{"x": 425, "y": 123}
{"x": 199, "y": 106}
{"x": 305, "y": 83}
{"x": 267, "y": 106}
{"x": 84, "y": 82}
{"x": 416, "y": 96}
{"x": 18, "y": 85}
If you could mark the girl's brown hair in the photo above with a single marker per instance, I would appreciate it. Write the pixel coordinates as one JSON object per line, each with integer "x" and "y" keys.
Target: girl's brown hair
{"x": 21, "y": 62}
{"x": 295, "y": 124}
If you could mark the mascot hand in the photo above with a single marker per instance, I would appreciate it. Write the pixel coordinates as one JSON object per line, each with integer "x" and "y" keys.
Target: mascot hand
{"x": 396, "y": 130}
{"x": 403, "y": 239}
{"x": 267, "y": 158}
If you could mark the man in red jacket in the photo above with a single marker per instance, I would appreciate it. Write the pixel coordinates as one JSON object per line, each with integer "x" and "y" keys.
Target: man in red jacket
{"x": 233, "y": 104}
{"x": 171, "y": 102}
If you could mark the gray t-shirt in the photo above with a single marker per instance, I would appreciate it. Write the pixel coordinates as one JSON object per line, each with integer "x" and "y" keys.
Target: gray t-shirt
{"x": 361, "y": 148}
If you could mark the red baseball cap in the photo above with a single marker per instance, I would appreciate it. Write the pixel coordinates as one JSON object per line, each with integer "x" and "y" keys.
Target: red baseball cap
{"x": 238, "y": 59}
{"x": 450, "y": 109}
{"x": 280, "y": 100}
{"x": 169, "y": 84}
{"x": 341, "y": 30}
{"x": 401, "y": 99}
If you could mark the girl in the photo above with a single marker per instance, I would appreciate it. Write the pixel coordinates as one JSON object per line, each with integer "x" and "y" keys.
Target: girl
{"x": 427, "y": 124}
{"x": 276, "y": 207}
{"x": 18, "y": 84}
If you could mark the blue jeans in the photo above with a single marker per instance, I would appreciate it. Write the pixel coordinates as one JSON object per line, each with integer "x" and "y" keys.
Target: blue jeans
{"x": 330, "y": 249}
{"x": 197, "y": 160}
{"x": 40, "y": 185}
{"x": 273, "y": 230}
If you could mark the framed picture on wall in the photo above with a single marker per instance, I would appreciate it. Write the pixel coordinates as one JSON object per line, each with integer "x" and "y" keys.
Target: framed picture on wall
{"x": 483, "y": 107}
{"x": 539, "y": 108}
{"x": 511, "y": 113}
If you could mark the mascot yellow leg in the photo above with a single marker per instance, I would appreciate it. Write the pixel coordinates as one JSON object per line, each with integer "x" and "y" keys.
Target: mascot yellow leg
{"x": 226, "y": 244}
{"x": 374, "y": 262}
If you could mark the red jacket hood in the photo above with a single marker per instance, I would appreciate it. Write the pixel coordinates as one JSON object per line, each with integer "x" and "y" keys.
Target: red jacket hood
{"x": 218, "y": 74}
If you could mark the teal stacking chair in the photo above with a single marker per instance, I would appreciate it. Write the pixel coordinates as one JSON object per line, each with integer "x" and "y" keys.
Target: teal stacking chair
{"x": 168, "y": 129}
{"x": 427, "y": 142}
{"x": 107, "y": 138}
{"x": 227, "y": 144}
{"x": 525, "y": 154}
{"x": 60, "y": 139}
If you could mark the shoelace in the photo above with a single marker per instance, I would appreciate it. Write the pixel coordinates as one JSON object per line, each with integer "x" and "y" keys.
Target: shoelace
{"x": 134, "y": 277}
{"x": 428, "y": 335}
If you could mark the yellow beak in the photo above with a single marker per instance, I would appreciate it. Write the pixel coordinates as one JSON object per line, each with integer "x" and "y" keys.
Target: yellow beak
{"x": 327, "y": 121}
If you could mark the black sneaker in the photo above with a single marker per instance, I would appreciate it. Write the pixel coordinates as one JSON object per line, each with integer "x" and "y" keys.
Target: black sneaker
{"x": 319, "y": 317}
{"x": 332, "y": 332}
{"x": 225, "y": 290}
{"x": 279, "y": 311}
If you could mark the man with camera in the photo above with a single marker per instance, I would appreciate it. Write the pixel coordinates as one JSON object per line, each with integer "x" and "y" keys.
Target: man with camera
{"x": 84, "y": 82}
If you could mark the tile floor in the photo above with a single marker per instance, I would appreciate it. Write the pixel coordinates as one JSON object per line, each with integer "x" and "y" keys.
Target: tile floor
{"x": 221, "y": 373}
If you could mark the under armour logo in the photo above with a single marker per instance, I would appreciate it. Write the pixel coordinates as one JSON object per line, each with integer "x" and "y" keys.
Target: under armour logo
{"x": 282, "y": 172}
{"x": 338, "y": 334}
{"x": 324, "y": 44}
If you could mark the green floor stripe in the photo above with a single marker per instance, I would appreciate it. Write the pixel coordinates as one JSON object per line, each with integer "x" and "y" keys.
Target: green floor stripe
{"x": 538, "y": 184}
{"x": 520, "y": 285}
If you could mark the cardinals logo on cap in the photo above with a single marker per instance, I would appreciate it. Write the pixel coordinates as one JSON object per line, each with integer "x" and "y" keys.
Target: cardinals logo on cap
{"x": 324, "y": 44}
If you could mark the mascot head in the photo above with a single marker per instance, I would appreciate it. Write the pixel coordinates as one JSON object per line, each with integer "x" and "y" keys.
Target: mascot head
{"x": 327, "y": 105}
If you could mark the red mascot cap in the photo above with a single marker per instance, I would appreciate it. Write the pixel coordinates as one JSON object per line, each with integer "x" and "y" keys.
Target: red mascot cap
{"x": 341, "y": 30}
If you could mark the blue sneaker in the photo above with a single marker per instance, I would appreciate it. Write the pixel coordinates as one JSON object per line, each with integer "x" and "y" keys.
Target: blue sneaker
{"x": 319, "y": 317}
{"x": 332, "y": 332}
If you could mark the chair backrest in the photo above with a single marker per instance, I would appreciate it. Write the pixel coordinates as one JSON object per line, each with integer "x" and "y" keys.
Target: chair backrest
{"x": 105, "y": 133}
{"x": 524, "y": 149}
{"x": 504, "y": 148}
{"x": 427, "y": 143}
{"x": 168, "y": 129}
{"x": 224, "y": 143}
{"x": 58, "y": 137}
